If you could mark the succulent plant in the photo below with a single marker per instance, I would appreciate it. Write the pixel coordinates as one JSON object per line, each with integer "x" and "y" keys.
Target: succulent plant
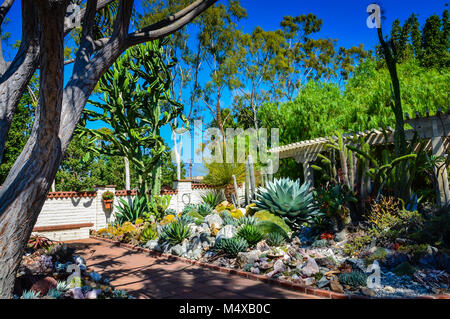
{"x": 148, "y": 233}
{"x": 176, "y": 232}
{"x": 55, "y": 293}
{"x": 251, "y": 234}
{"x": 62, "y": 286}
{"x": 232, "y": 246}
{"x": 213, "y": 198}
{"x": 287, "y": 199}
{"x": 189, "y": 208}
{"x": 119, "y": 294}
{"x": 275, "y": 239}
{"x": 228, "y": 219}
{"x": 249, "y": 220}
{"x": 204, "y": 209}
{"x": 353, "y": 278}
{"x": 187, "y": 219}
{"x": 30, "y": 294}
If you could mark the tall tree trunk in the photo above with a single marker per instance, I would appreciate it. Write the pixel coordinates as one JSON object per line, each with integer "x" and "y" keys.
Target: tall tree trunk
{"x": 34, "y": 174}
{"x": 127, "y": 173}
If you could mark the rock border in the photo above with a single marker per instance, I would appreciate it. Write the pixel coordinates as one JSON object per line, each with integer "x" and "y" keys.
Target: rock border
{"x": 282, "y": 283}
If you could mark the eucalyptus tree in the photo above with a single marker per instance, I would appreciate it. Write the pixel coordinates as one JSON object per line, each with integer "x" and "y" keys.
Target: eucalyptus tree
{"x": 45, "y": 24}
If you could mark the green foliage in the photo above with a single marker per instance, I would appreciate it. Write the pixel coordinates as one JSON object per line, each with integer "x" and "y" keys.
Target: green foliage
{"x": 357, "y": 244}
{"x": 221, "y": 174}
{"x": 275, "y": 239}
{"x": 213, "y": 198}
{"x": 130, "y": 211}
{"x": 160, "y": 205}
{"x": 265, "y": 215}
{"x": 204, "y": 209}
{"x": 404, "y": 269}
{"x": 287, "y": 199}
{"x": 30, "y": 294}
{"x": 54, "y": 293}
{"x": 251, "y": 234}
{"x": 248, "y": 220}
{"x": 333, "y": 201}
{"x": 353, "y": 278}
{"x": 189, "y": 208}
{"x": 232, "y": 246}
{"x": 176, "y": 232}
{"x": 228, "y": 219}
{"x": 108, "y": 195}
{"x": 148, "y": 233}
{"x": 379, "y": 254}
{"x": 268, "y": 227}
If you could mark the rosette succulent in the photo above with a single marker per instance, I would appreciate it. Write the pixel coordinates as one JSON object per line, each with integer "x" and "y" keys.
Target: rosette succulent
{"x": 287, "y": 199}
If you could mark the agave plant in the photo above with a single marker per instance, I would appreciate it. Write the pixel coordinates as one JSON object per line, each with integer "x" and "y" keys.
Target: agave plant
{"x": 231, "y": 246}
{"x": 275, "y": 239}
{"x": 176, "y": 232}
{"x": 30, "y": 294}
{"x": 213, "y": 198}
{"x": 204, "y": 209}
{"x": 287, "y": 199}
{"x": 130, "y": 211}
{"x": 189, "y": 208}
{"x": 249, "y": 220}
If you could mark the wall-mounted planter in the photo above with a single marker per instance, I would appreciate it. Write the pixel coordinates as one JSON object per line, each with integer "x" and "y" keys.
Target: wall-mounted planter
{"x": 108, "y": 203}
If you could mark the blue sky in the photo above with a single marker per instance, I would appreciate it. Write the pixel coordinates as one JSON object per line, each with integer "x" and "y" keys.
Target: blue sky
{"x": 343, "y": 20}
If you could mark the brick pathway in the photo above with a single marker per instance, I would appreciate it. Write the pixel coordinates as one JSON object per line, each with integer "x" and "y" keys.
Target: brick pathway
{"x": 145, "y": 276}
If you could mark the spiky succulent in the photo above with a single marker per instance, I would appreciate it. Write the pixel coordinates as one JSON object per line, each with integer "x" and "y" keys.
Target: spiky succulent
{"x": 232, "y": 246}
{"x": 30, "y": 294}
{"x": 275, "y": 239}
{"x": 353, "y": 278}
{"x": 55, "y": 293}
{"x": 189, "y": 208}
{"x": 204, "y": 209}
{"x": 213, "y": 198}
{"x": 287, "y": 199}
{"x": 176, "y": 232}
{"x": 251, "y": 234}
{"x": 187, "y": 219}
{"x": 148, "y": 233}
{"x": 228, "y": 219}
{"x": 62, "y": 286}
{"x": 249, "y": 220}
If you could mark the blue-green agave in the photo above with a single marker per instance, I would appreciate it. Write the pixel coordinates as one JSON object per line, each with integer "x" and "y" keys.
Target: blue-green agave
{"x": 287, "y": 199}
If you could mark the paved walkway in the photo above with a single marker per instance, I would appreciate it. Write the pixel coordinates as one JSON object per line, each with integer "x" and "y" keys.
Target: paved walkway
{"x": 144, "y": 276}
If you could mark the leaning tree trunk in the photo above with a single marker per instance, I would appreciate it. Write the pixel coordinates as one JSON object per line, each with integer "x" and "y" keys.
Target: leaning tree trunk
{"x": 36, "y": 170}
{"x": 127, "y": 173}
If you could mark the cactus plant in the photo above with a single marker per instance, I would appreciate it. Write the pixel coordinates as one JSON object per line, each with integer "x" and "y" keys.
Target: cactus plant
{"x": 231, "y": 246}
{"x": 287, "y": 199}
{"x": 275, "y": 239}
{"x": 353, "y": 278}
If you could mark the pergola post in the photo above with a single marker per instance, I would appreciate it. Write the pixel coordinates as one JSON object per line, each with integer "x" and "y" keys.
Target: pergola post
{"x": 308, "y": 173}
{"x": 438, "y": 149}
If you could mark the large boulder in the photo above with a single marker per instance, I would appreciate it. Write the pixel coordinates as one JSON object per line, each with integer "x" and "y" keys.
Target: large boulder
{"x": 214, "y": 220}
{"x": 278, "y": 267}
{"x": 226, "y": 232}
{"x": 44, "y": 285}
{"x": 250, "y": 257}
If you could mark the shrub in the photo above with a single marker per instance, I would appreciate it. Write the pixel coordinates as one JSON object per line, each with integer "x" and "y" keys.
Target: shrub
{"x": 287, "y": 199}
{"x": 379, "y": 254}
{"x": 357, "y": 244}
{"x": 176, "y": 232}
{"x": 251, "y": 234}
{"x": 148, "y": 233}
{"x": 275, "y": 239}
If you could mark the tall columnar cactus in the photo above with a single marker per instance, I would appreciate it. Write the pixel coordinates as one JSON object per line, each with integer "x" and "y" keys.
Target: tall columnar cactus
{"x": 287, "y": 199}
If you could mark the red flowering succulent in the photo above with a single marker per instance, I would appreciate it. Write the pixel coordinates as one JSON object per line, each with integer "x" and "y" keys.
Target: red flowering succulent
{"x": 327, "y": 236}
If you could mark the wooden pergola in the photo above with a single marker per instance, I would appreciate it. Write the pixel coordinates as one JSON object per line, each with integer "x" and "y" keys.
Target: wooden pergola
{"x": 435, "y": 129}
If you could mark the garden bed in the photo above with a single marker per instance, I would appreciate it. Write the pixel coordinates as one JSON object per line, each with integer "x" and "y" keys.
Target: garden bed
{"x": 255, "y": 245}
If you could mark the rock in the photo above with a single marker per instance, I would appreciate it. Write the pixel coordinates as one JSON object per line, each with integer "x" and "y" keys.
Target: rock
{"x": 226, "y": 232}
{"x": 214, "y": 220}
{"x": 336, "y": 287}
{"x": 151, "y": 244}
{"x": 367, "y": 291}
{"x": 77, "y": 293}
{"x": 310, "y": 268}
{"x": 327, "y": 262}
{"x": 278, "y": 267}
{"x": 296, "y": 241}
{"x": 341, "y": 236}
{"x": 92, "y": 294}
{"x": 255, "y": 270}
{"x": 389, "y": 289}
{"x": 179, "y": 250}
{"x": 265, "y": 265}
{"x": 79, "y": 260}
{"x": 44, "y": 285}
{"x": 308, "y": 281}
{"x": 323, "y": 282}
{"x": 95, "y": 276}
{"x": 250, "y": 257}
{"x": 262, "y": 246}
{"x": 195, "y": 243}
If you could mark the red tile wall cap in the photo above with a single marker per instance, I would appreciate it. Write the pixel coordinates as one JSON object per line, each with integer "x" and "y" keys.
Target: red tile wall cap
{"x": 284, "y": 283}
{"x": 71, "y": 194}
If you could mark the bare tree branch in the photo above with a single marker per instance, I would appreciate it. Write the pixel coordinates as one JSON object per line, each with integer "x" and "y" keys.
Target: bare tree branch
{"x": 170, "y": 24}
